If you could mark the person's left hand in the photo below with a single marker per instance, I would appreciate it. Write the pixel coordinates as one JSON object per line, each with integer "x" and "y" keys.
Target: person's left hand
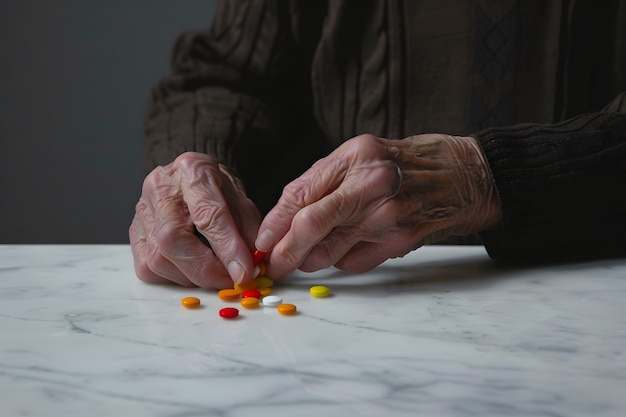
{"x": 374, "y": 199}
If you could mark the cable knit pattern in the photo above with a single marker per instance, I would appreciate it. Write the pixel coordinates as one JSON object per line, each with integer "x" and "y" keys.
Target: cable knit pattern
{"x": 289, "y": 80}
{"x": 558, "y": 183}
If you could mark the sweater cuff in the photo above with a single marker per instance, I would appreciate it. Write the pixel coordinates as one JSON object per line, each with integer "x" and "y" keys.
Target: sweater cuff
{"x": 560, "y": 188}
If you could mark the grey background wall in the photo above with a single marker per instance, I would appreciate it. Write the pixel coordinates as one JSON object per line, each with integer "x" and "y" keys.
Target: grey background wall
{"x": 74, "y": 77}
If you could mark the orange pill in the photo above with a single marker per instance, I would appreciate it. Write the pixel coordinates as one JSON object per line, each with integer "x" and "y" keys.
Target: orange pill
{"x": 249, "y": 302}
{"x": 287, "y": 309}
{"x": 190, "y": 302}
{"x": 262, "y": 269}
{"x": 250, "y": 285}
{"x": 229, "y": 294}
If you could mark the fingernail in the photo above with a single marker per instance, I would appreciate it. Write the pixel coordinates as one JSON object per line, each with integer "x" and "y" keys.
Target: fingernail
{"x": 265, "y": 241}
{"x": 236, "y": 272}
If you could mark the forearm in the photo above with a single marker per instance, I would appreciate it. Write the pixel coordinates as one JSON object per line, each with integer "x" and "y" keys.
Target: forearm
{"x": 561, "y": 188}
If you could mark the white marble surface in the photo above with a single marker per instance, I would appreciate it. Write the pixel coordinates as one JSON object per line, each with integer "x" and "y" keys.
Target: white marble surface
{"x": 443, "y": 332}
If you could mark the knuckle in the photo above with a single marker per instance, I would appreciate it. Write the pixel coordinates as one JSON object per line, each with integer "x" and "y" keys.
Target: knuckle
{"x": 166, "y": 238}
{"x": 295, "y": 193}
{"x": 186, "y": 159}
{"x": 153, "y": 179}
{"x": 156, "y": 263}
{"x": 311, "y": 222}
{"x": 209, "y": 216}
{"x": 365, "y": 141}
{"x": 289, "y": 258}
{"x": 143, "y": 271}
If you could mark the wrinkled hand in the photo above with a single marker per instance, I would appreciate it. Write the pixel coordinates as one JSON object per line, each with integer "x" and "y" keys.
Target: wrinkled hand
{"x": 193, "y": 194}
{"x": 374, "y": 199}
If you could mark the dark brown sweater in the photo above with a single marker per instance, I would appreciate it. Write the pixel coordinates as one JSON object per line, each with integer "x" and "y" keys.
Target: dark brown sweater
{"x": 273, "y": 85}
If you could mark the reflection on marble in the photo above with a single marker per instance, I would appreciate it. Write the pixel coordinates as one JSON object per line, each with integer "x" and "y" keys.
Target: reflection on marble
{"x": 442, "y": 332}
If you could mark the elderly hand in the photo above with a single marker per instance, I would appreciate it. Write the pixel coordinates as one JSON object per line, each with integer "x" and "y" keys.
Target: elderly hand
{"x": 374, "y": 199}
{"x": 194, "y": 194}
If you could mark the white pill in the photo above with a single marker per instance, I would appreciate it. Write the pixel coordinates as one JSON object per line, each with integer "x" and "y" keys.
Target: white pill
{"x": 272, "y": 301}
{"x": 256, "y": 272}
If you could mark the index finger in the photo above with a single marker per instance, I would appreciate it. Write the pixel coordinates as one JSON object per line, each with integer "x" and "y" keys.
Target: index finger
{"x": 210, "y": 213}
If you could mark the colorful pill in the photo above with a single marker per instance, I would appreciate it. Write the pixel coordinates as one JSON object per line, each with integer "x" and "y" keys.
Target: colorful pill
{"x": 272, "y": 301}
{"x": 264, "y": 282}
{"x": 246, "y": 286}
{"x": 287, "y": 309}
{"x": 251, "y": 293}
{"x": 229, "y": 313}
{"x": 258, "y": 256}
{"x": 190, "y": 302}
{"x": 265, "y": 291}
{"x": 249, "y": 302}
{"x": 262, "y": 269}
{"x": 229, "y": 294}
{"x": 319, "y": 291}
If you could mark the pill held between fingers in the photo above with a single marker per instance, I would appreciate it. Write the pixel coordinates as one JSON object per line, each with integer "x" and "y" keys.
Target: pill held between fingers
{"x": 229, "y": 294}
{"x": 229, "y": 312}
{"x": 287, "y": 309}
{"x": 249, "y": 302}
{"x": 272, "y": 301}
{"x": 190, "y": 302}
{"x": 319, "y": 291}
{"x": 258, "y": 256}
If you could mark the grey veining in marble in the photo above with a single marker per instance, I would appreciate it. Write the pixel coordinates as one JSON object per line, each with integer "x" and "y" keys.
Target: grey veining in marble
{"x": 442, "y": 332}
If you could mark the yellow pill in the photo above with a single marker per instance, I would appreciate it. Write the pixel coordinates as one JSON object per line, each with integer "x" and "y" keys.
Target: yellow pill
{"x": 319, "y": 291}
{"x": 229, "y": 294}
{"x": 264, "y": 291}
{"x": 287, "y": 309}
{"x": 190, "y": 302}
{"x": 264, "y": 282}
{"x": 249, "y": 302}
{"x": 250, "y": 285}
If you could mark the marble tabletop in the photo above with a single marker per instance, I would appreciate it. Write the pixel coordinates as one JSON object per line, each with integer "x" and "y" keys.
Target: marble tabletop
{"x": 444, "y": 331}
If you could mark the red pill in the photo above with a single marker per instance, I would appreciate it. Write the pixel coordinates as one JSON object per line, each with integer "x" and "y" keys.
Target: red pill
{"x": 257, "y": 257}
{"x": 251, "y": 293}
{"x": 229, "y": 312}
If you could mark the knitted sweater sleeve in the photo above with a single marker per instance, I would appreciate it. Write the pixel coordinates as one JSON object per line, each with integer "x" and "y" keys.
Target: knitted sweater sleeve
{"x": 232, "y": 93}
{"x": 562, "y": 187}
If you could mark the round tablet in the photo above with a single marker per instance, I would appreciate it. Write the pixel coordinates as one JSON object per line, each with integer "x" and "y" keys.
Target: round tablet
{"x": 251, "y": 293}
{"x": 319, "y": 291}
{"x": 249, "y": 302}
{"x": 264, "y": 282}
{"x": 250, "y": 285}
{"x": 229, "y": 313}
{"x": 262, "y": 269}
{"x": 287, "y": 309}
{"x": 229, "y": 294}
{"x": 258, "y": 256}
{"x": 190, "y": 302}
{"x": 272, "y": 301}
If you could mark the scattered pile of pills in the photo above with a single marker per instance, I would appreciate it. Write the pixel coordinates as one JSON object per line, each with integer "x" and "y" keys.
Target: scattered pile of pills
{"x": 255, "y": 293}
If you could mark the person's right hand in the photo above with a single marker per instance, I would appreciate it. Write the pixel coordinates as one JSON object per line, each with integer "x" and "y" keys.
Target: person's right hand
{"x": 194, "y": 194}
